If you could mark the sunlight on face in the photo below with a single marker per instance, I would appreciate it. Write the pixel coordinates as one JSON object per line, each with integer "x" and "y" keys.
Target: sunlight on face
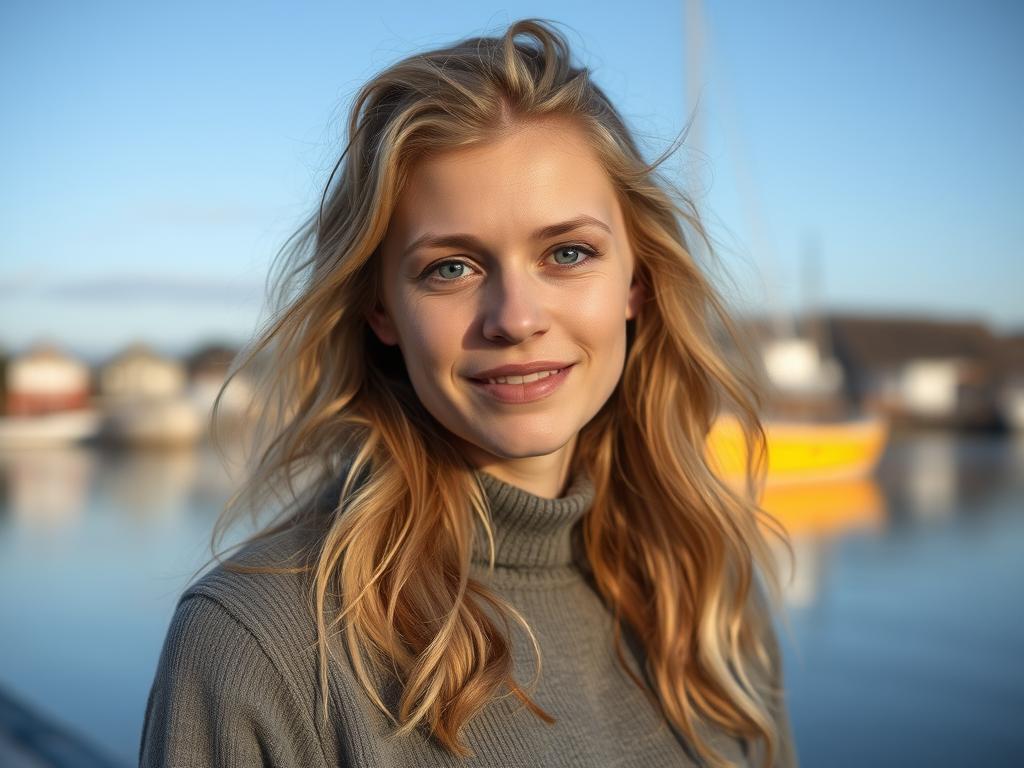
{"x": 506, "y": 292}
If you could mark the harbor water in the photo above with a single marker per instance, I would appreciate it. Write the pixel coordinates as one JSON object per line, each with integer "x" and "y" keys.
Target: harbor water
{"x": 904, "y": 606}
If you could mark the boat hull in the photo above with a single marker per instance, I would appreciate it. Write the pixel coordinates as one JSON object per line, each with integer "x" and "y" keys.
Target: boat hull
{"x": 801, "y": 452}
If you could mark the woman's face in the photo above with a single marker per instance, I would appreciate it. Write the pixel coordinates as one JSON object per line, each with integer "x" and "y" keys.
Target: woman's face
{"x": 471, "y": 281}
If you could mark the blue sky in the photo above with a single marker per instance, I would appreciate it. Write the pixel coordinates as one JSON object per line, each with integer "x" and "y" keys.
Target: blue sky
{"x": 155, "y": 157}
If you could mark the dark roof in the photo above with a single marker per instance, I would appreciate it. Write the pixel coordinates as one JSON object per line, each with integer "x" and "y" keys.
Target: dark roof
{"x": 1010, "y": 352}
{"x": 881, "y": 340}
{"x": 211, "y": 357}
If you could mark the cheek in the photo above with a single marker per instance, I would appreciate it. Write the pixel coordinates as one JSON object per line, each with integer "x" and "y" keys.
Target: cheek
{"x": 600, "y": 313}
{"x": 434, "y": 333}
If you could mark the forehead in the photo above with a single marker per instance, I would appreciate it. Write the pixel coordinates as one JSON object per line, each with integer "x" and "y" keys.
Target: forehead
{"x": 538, "y": 174}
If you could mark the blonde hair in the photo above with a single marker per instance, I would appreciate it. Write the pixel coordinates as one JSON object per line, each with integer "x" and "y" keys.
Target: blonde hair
{"x": 674, "y": 551}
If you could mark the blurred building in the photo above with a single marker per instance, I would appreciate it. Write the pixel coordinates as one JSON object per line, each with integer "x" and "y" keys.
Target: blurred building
{"x": 144, "y": 399}
{"x": 45, "y": 380}
{"x": 46, "y": 399}
{"x": 139, "y": 371}
{"x": 208, "y": 369}
{"x": 1010, "y": 399}
{"x": 920, "y": 370}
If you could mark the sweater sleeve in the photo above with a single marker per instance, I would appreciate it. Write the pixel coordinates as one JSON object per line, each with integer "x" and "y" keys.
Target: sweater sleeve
{"x": 217, "y": 699}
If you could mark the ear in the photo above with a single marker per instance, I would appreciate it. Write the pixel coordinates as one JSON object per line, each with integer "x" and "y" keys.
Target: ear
{"x": 636, "y": 299}
{"x": 381, "y": 323}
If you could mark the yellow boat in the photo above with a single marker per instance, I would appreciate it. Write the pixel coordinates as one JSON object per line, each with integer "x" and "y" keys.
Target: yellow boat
{"x": 802, "y": 452}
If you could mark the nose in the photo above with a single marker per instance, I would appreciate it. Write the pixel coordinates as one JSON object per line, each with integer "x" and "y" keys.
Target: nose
{"x": 514, "y": 308}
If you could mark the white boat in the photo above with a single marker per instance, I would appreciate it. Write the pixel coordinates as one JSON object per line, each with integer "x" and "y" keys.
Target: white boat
{"x": 54, "y": 428}
{"x": 1011, "y": 405}
{"x": 153, "y": 421}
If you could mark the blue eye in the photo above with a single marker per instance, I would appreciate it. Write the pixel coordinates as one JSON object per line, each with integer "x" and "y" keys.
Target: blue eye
{"x": 450, "y": 264}
{"x": 454, "y": 270}
{"x": 451, "y": 270}
{"x": 583, "y": 255}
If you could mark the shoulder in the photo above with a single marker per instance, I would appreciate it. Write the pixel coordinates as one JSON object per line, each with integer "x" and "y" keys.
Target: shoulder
{"x": 232, "y": 679}
{"x": 274, "y": 608}
{"x": 205, "y": 645}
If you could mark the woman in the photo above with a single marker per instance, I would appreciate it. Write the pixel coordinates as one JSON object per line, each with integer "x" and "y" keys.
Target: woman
{"x": 492, "y": 376}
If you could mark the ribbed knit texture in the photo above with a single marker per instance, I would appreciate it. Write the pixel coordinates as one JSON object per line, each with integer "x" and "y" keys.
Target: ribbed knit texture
{"x": 237, "y": 682}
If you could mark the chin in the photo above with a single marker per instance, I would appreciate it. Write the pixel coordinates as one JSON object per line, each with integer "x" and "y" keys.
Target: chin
{"x": 519, "y": 446}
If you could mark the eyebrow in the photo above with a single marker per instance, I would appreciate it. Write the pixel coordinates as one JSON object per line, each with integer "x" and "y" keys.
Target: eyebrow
{"x": 469, "y": 241}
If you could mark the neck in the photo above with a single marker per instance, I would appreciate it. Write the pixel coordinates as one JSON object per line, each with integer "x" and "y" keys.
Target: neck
{"x": 546, "y": 476}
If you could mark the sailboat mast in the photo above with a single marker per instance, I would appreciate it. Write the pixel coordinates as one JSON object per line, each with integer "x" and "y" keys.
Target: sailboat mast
{"x": 693, "y": 34}
{"x": 698, "y": 53}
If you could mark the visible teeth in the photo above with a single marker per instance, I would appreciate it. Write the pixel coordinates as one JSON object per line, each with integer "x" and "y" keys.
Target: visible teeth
{"x": 522, "y": 379}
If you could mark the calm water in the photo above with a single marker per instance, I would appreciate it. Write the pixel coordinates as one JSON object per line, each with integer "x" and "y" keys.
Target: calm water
{"x": 908, "y": 630}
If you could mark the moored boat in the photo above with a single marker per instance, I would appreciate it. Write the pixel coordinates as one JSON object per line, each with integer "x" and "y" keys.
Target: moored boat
{"x": 49, "y": 428}
{"x": 801, "y": 452}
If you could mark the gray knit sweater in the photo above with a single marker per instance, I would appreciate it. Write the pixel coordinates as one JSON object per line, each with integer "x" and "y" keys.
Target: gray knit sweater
{"x": 237, "y": 682}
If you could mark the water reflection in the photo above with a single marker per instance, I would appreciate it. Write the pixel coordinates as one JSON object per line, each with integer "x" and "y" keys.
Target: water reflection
{"x": 148, "y": 484}
{"x": 50, "y": 488}
{"x": 931, "y": 478}
{"x": 813, "y": 514}
{"x": 908, "y": 653}
{"x": 46, "y": 488}
{"x": 827, "y": 509}
{"x": 96, "y": 546}
{"x": 903, "y": 597}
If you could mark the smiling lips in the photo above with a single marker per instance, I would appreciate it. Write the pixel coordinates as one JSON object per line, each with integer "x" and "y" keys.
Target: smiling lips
{"x": 521, "y": 369}
{"x": 522, "y": 379}
{"x": 523, "y": 383}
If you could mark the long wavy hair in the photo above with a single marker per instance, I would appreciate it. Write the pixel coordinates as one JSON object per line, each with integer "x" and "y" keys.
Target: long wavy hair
{"x": 676, "y": 553}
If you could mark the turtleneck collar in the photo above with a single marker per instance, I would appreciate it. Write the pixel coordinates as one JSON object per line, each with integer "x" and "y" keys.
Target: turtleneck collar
{"x": 531, "y": 531}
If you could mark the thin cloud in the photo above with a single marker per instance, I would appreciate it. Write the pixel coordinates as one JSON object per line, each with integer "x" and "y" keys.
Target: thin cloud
{"x": 174, "y": 290}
